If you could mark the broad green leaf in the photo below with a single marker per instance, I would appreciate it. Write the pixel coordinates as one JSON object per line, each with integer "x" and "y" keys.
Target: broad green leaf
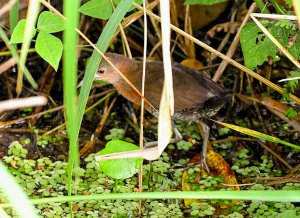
{"x": 49, "y": 48}
{"x": 50, "y": 23}
{"x": 257, "y": 47}
{"x": 203, "y": 2}
{"x": 101, "y": 9}
{"x": 132, "y": 7}
{"x": 120, "y": 168}
{"x": 258, "y": 135}
{"x": 18, "y": 33}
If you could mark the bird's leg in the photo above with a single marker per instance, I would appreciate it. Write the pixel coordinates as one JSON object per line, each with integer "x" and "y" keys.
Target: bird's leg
{"x": 205, "y": 129}
{"x": 129, "y": 110}
{"x": 150, "y": 144}
{"x": 177, "y": 138}
{"x": 178, "y": 135}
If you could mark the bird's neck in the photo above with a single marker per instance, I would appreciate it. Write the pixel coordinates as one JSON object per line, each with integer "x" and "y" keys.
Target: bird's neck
{"x": 132, "y": 71}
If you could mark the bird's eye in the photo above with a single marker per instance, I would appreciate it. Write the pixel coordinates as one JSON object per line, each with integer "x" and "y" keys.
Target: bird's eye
{"x": 101, "y": 71}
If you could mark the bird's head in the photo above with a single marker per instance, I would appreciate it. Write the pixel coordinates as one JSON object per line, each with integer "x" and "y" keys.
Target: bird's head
{"x": 107, "y": 73}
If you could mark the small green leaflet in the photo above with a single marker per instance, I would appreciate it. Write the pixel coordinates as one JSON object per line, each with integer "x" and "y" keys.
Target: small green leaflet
{"x": 49, "y": 48}
{"x": 101, "y": 9}
{"x": 18, "y": 33}
{"x": 50, "y": 23}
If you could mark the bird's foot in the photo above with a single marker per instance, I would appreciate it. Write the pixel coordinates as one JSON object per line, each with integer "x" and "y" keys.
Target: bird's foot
{"x": 204, "y": 164}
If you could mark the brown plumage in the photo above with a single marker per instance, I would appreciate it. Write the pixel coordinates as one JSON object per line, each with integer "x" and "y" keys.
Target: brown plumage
{"x": 196, "y": 96}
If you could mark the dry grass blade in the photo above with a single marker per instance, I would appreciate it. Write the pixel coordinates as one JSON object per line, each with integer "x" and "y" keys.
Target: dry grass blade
{"x": 275, "y": 16}
{"x": 18, "y": 103}
{"x": 7, "y": 64}
{"x": 8, "y": 123}
{"x": 148, "y": 154}
{"x": 280, "y": 109}
{"x": 233, "y": 45}
{"x": 166, "y": 107}
{"x": 164, "y": 122}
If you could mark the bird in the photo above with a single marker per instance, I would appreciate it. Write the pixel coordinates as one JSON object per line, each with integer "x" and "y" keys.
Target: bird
{"x": 196, "y": 96}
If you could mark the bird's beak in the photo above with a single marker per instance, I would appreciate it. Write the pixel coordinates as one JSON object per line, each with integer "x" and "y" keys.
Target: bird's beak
{"x": 96, "y": 77}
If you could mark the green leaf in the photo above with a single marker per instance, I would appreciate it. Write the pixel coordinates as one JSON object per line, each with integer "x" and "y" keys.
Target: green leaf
{"x": 50, "y": 23}
{"x": 49, "y": 48}
{"x": 120, "y": 168}
{"x": 101, "y": 9}
{"x": 132, "y": 7}
{"x": 18, "y": 33}
{"x": 203, "y": 2}
{"x": 257, "y": 47}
